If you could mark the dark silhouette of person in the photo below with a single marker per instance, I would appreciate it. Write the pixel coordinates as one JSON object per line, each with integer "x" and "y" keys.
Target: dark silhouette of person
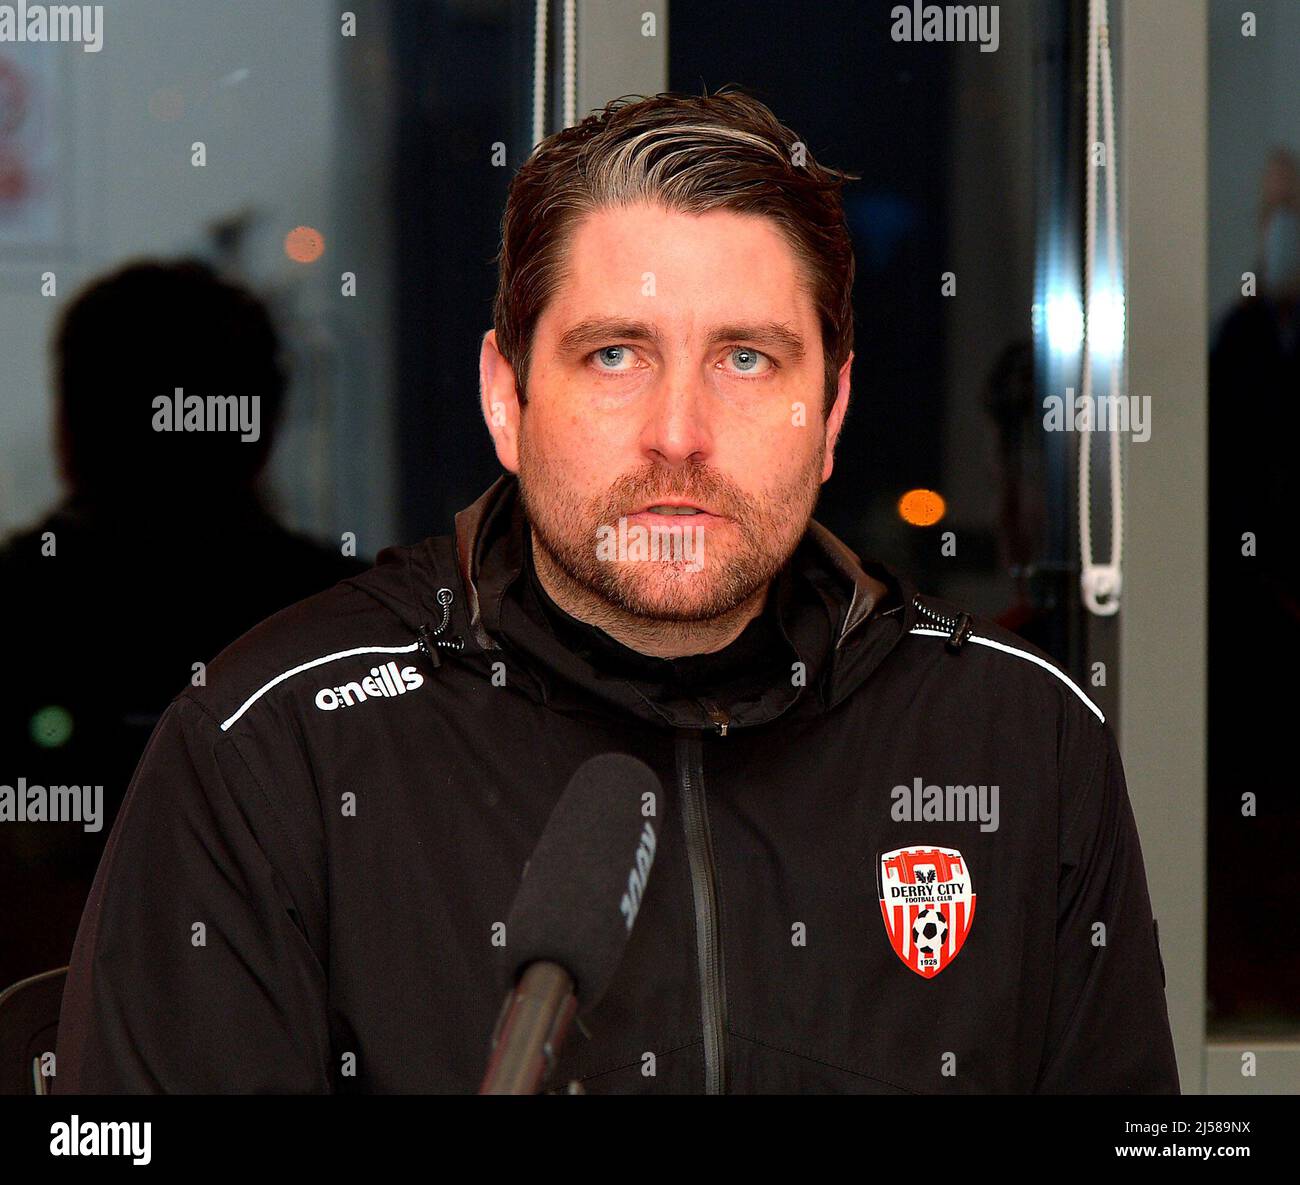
{"x": 1254, "y": 628}
{"x": 161, "y": 554}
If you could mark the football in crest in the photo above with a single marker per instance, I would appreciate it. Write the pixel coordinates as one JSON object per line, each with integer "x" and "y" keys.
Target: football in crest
{"x": 929, "y": 932}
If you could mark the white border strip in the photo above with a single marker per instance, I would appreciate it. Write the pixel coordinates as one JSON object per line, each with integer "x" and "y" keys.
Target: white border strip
{"x": 1047, "y": 666}
{"x": 307, "y": 666}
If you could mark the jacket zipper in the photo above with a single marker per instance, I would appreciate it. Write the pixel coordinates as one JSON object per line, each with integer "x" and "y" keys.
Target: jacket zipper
{"x": 429, "y": 640}
{"x": 959, "y": 628}
{"x": 699, "y": 850}
{"x": 708, "y": 931}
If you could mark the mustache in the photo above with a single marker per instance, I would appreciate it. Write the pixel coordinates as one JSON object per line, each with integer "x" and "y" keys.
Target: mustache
{"x": 632, "y": 491}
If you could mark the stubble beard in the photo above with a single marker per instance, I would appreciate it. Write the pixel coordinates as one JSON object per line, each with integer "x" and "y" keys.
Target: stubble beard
{"x": 740, "y": 557}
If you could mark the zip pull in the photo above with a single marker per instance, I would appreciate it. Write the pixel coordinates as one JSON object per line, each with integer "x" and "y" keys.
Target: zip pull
{"x": 429, "y": 641}
{"x": 720, "y": 720}
{"x": 429, "y": 647}
{"x": 961, "y": 631}
{"x": 961, "y": 627}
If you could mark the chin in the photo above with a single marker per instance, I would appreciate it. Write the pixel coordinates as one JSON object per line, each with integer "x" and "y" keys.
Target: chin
{"x": 673, "y": 592}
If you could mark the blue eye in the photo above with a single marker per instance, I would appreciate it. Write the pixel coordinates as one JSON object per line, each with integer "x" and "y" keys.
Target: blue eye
{"x": 749, "y": 361}
{"x": 619, "y": 359}
{"x": 604, "y": 353}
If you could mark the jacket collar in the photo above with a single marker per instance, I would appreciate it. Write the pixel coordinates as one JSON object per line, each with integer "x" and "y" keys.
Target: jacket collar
{"x": 470, "y": 537}
{"x": 489, "y": 557}
{"x": 867, "y": 592}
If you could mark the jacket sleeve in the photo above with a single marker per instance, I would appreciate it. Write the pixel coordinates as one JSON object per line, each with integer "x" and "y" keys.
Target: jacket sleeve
{"x": 1108, "y": 1025}
{"x": 196, "y": 968}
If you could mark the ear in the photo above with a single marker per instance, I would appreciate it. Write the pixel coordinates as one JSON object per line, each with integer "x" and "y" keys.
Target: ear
{"x": 499, "y": 399}
{"x": 835, "y": 421}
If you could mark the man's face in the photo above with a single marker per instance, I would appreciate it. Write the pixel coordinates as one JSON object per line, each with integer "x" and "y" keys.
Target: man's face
{"x": 679, "y": 361}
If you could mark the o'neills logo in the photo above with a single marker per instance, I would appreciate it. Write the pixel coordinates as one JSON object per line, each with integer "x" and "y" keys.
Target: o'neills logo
{"x": 383, "y": 682}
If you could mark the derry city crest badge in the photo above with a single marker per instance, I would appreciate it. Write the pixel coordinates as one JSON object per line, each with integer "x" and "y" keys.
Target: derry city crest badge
{"x": 928, "y": 903}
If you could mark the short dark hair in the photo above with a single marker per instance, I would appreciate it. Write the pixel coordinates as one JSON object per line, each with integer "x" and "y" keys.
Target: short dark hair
{"x": 725, "y": 151}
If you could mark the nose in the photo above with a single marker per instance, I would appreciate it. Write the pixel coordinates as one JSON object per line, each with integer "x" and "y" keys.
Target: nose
{"x": 677, "y": 429}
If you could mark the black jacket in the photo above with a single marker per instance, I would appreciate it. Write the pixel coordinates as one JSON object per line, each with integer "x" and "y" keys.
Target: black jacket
{"x": 303, "y": 887}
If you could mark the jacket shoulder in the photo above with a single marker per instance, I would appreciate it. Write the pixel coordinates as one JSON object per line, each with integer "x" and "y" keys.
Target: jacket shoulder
{"x": 1002, "y": 663}
{"x": 275, "y": 658}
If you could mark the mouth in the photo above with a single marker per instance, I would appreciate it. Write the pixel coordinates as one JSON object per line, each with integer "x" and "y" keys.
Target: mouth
{"x": 673, "y": 508}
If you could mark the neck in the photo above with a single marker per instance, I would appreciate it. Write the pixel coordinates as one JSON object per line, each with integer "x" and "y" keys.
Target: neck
{"x": 651, "y": 636}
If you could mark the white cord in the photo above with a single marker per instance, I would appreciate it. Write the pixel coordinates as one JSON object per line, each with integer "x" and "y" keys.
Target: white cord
{"x": 570, "y": 31}
{"x": 1101, "y": 583}
{"x": 539, "y": 70}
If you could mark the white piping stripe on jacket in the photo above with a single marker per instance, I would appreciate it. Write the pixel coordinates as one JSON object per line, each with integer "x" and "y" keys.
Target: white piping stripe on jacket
{"x": 1047, "y": 666}
{"x": 315, "y": 662}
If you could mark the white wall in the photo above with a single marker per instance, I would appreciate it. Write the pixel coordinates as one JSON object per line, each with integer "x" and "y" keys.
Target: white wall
{"x": 259, "y": 83}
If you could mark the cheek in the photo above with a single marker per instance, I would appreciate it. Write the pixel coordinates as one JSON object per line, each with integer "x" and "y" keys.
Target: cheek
{"x": 775, "y": 445}
{"x": 570, "y": 446}
{"x": 558, "y": 435}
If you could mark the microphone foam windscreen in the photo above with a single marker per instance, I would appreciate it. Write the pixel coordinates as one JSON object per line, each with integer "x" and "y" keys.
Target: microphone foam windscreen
{"x": 583, "y": 884}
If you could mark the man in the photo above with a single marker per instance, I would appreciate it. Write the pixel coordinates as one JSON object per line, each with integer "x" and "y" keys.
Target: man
{"x": 902, "y": 857}
{"x": 213, "y": 557}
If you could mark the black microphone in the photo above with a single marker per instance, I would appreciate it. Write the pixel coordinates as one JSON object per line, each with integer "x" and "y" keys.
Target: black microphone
{"x": 570, "y": 921}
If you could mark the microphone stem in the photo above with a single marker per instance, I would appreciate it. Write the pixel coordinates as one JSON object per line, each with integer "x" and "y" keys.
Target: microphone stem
{"x": 532, "y": 1026}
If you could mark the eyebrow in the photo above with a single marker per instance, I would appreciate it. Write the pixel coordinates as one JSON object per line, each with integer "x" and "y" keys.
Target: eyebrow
{"x": 600, "y": 330}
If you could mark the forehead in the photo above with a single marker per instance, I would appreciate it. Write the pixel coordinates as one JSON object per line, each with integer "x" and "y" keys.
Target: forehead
{"x": 701, "y": 268}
